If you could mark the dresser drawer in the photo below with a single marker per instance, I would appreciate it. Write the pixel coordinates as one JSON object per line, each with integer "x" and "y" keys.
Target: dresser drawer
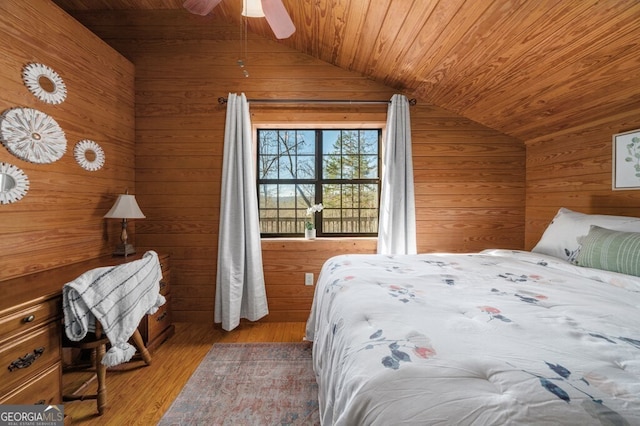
{"x": 42, "y": 389}
{"x": 28, "y": 354}
{"x": 159, "y": 321}
{"x": 29, "y": 318}
{"x": 164, "y": 283}
{"x": 166, "y": 274}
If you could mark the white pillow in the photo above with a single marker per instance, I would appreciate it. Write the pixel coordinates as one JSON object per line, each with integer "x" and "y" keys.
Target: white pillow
{"x": 560, "y": 239}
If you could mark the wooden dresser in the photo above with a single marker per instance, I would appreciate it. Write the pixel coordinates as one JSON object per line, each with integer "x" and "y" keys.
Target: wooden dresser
{"x": 31, "y": 330}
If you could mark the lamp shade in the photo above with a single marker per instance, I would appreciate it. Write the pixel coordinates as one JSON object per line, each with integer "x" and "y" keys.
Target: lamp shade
{"x": 125, "y": 207}
{"x": 252, "y": 9}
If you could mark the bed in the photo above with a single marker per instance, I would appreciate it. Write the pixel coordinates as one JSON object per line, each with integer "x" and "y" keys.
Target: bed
{"x": 550, "y": 336}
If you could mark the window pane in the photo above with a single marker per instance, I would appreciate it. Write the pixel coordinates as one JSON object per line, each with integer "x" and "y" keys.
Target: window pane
{"x": 350, "y": 208}
{"x": 268, "y": 203}
{"x": 369, "y": 166}
{"x": 268, "y": 142}
{"x": 286, "y": 196}
{"x": 332, "y": 167}
{"x": 369, "y": 142}
{"x": 270, "y": 153}
{"x": 306, "y": 167}
{"x": 268, "y": 221}
{"x": 286, "y": 167}
{"x": 330, "y": 220}
{"x": 287, "y": 221}
{"x": 369, "y": 196}
{"x": 350, "y": 166}
{"x": 331, "y": 142}
{"x": 267, "y": 196}
{"x": 268, "y": 166}
{"x": 369, "y": 220}
{"x": 305, "y": 197}
{"x": 286, "y": 141}
{"x": 348, "y": 182}
{"x": 331, "y": 196}
{"x": 350, "y": 154}
{"x": 306, "y": 142}
{"x": 350, "y": 196}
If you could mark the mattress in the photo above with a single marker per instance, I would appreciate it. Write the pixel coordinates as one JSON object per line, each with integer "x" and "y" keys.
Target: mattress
{"x": 491, "y": 338}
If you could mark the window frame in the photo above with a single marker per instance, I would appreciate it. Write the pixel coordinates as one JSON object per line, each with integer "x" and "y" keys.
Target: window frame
{"x": 319, "y": 180}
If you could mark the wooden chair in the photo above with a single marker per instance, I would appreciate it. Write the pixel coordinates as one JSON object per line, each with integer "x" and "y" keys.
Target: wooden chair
{"x": 97, "y": 343}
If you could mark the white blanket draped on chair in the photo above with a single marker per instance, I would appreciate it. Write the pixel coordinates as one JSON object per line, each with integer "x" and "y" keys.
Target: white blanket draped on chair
{"x": 116, "y": 296}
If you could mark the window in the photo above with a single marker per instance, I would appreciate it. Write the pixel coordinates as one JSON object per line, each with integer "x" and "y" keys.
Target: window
{"x": 298, "y": 168}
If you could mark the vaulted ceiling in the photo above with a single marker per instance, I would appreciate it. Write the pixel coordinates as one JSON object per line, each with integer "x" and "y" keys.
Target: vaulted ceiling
{"x": 525, "y": 67}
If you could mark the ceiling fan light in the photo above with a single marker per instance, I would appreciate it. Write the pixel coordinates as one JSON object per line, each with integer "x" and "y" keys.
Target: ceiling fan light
{"x": 252, "y": 9}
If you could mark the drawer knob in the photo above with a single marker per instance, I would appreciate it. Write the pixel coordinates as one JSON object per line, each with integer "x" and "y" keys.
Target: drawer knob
{"x": 27, "y": 360}
{"x": 28, "y": 319}
{"x": 162, "y": 316}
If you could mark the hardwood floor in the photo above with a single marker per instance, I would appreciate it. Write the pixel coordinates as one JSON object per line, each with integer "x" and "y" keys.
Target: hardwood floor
{"x": 139, "y": 395}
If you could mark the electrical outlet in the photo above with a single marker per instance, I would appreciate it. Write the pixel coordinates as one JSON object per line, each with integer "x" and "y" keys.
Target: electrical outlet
{"x": 308, "y": 278}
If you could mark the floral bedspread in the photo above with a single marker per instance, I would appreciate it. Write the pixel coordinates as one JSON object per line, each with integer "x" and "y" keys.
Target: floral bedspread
{"x": 492, "y": 338}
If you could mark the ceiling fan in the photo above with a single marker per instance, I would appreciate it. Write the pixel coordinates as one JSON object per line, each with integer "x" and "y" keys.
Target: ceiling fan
{"x": 275, "y": 12}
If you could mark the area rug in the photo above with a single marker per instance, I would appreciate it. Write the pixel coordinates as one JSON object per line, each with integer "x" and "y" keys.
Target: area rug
{"x": 249, "y": 384}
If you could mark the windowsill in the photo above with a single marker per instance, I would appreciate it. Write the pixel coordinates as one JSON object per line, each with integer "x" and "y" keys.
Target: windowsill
{"x": 290, "y": 239}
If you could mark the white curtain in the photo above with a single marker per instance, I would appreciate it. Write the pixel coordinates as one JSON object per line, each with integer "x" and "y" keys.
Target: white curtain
{"x": 397, "y": 223}
{"x": 240, "y": 289}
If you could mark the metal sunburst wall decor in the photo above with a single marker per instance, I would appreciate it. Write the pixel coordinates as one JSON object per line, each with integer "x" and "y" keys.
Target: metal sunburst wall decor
{"x": 32, "y": 135}
{"x": 44, "y": 83}
{"x": 89, "y": 155}
{"x": 13, "y": 183}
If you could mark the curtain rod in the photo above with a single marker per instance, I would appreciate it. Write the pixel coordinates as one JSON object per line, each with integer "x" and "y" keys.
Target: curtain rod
{"x": 223, "y": 101}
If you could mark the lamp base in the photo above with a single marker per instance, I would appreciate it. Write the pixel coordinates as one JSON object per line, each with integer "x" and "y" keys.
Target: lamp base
{"x": 124, "y": 250}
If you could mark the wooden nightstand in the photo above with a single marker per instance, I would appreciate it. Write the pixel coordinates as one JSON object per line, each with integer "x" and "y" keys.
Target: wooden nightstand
{"x": 158, "y": 327}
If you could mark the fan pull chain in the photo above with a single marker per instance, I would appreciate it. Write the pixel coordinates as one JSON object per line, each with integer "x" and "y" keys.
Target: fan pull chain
{"x": 243, "y": 45}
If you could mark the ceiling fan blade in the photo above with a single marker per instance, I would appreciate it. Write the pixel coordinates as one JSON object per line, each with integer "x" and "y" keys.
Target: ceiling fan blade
{"x": 200, "y": 7}
{"x": 278, "y": 18}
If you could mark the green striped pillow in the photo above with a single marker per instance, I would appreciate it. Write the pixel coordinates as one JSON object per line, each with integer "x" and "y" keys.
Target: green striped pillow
{"x": 609, "y": 250}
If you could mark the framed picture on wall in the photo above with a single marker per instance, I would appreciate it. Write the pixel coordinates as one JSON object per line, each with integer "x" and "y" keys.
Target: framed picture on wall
{"x": 626, "y": 160}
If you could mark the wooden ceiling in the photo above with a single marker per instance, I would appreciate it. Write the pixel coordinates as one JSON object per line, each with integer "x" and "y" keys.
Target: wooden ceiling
{"x": 525, "y": 67}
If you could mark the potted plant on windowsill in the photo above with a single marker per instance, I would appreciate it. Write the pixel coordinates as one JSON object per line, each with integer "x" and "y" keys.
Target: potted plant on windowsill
{"x": 309, "y": 228}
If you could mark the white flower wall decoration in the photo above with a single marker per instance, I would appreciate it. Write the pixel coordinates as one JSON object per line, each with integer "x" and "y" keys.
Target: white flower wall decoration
{"x": 89, "y": 155}
{"x": 44, "y": 83}
{"x": 13, "y": 183}
{"x": 32, "y": 135}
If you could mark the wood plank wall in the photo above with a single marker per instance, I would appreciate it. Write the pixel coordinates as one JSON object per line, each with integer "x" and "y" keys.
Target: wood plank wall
{"x": 573, "y": 168}
{"x": 59, "y": 221}
{"x": 469, "y": 179}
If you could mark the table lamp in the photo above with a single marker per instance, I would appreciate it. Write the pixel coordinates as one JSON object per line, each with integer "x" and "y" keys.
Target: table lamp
{"x": 125, "y": 208}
